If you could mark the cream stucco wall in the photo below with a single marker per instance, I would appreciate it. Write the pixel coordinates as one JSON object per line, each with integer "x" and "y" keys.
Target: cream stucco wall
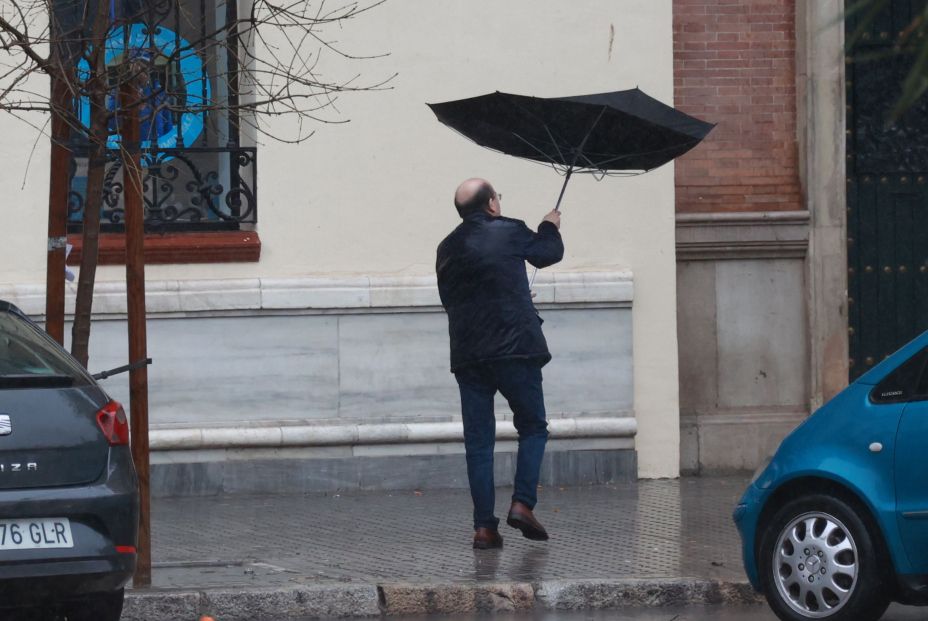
{"x": 24, "y": 203}
{"x": 374, "y": 196}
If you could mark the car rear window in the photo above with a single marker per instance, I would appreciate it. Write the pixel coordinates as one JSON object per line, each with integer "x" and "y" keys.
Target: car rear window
{"x": 28, "y": 357}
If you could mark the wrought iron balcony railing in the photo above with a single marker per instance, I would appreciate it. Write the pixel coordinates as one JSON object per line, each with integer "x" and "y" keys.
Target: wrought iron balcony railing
{"x": 190, "y": 189}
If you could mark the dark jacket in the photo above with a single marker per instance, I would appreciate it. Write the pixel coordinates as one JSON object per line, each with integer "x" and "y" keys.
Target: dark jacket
{"x": 484, "y": 288}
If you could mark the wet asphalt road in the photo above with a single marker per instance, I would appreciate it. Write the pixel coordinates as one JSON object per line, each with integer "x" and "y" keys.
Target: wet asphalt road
{"x": 709, "y": 613}
{"x": 692, "y": 613}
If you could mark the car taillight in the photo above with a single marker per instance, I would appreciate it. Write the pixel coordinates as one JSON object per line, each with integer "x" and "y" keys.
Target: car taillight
{"x": 113, "y": 424}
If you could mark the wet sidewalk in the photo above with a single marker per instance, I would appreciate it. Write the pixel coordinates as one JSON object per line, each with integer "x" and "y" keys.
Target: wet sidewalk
{"x": 402, "y": 552}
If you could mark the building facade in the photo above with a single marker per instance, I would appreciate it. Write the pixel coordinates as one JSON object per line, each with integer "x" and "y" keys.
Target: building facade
{"x": 742, "y": 233}
{"x": 801, "y": 257}
{"x": 304, "y": 348}
{"x": 702, "y": 310}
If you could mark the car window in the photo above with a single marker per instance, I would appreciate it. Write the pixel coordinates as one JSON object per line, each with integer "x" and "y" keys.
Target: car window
{"x": 26, "y": 351}
{"x": 905, "y": 383}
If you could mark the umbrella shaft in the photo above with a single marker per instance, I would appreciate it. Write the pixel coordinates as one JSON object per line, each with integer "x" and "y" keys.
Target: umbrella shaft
{"x": 563, "y": 188}
{"x": 556, "y": 208}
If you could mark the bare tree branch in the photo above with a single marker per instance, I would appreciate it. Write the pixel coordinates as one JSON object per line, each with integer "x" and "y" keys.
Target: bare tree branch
{"x": 277, "y": 45}
{"x": 265, "y": 64}
{"x": 22, "y": 41}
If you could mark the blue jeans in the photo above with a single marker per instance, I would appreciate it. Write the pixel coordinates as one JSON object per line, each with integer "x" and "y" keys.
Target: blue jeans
{"x": 519, "y": 381}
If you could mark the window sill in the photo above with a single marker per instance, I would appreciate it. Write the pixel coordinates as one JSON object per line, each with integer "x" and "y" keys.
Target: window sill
{"x": 177, "y": 248}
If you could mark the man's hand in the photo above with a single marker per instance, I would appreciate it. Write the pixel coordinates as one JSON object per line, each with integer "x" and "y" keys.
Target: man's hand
{"x": 554, "y": 217}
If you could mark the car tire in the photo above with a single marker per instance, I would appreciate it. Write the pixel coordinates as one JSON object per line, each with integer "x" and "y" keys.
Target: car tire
{"x": 100, "y": 607}
{"x": 819, "y": 559}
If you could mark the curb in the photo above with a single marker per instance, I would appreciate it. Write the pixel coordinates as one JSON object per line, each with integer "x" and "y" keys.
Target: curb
{"x": 367, "y": 600}
{"x": 591, "y": 594}
{"x": 231, "y": 604}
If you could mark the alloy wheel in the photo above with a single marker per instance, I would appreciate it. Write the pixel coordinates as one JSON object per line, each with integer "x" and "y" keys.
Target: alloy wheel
{"x": 815, "y": 565}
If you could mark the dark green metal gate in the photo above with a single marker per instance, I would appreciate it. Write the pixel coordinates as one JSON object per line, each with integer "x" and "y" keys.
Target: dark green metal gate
{"x": 887, "y": 194}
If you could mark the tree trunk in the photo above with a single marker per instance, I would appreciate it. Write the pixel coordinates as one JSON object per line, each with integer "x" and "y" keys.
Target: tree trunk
{"x": 96, "y": 170}
{"x": 57, "y": 209}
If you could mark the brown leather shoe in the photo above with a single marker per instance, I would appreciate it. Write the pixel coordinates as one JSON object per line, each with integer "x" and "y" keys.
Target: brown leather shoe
{"x": 487, "y": 539}
{"x": 522, "y": 518}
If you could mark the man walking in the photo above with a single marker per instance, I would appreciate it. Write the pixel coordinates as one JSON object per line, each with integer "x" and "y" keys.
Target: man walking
{"x": 497, "y": 345}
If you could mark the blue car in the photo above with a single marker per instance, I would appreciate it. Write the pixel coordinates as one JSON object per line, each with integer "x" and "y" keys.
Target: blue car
{"x": 835, "y": 526}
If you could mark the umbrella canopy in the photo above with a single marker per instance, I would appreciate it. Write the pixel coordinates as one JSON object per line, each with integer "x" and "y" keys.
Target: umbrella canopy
{"x": 610, "y": 132}
{"x": 624, "y": 132}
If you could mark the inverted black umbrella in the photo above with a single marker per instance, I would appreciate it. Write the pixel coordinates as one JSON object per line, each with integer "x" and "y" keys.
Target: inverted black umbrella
{"x": 624, "y": 132}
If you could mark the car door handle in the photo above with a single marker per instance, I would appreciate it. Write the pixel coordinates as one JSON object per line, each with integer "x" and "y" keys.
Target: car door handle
{"x": 876, "y": 447}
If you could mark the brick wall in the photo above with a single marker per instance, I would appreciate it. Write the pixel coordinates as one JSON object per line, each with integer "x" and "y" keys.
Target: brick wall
{"x": 734, "y": 64}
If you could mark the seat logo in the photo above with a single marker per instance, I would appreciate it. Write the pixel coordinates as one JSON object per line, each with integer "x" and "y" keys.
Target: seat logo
{"x": 6, "y": 426}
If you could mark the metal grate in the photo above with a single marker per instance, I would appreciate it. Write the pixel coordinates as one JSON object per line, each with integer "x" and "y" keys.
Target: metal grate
{"x": 186, "y": 189}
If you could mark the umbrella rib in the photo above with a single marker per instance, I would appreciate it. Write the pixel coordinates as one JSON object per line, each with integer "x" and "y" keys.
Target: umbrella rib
{"x": 611, "y": 160}
{"x": 587, "y": 159}
{"x": 554, "y": 142}
{"x": 546, "y": 162}
{"x": 543, "y": 124}
{"x": 536, "y": 148}
{"x": 500, "y": 151}
{"x": 587, "y": 137}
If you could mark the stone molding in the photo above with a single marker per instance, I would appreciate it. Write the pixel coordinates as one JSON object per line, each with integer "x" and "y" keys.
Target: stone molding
{"x": 733, "y": 236}
{"x": 744, "y": 418}
{"x": 289, "y": 436}
{"x": 358, "y": 294}
{"x": 734, "y": 440}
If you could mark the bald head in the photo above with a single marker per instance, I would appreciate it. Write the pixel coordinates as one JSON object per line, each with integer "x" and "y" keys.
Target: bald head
{"x": 475, "y": 195}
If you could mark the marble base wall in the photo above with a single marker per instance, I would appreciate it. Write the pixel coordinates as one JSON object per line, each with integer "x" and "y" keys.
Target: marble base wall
{"x": 371, "y": 367}
{"x": 271, "y": 385}
{"x": 726, "y": 443}
{"x": 266, "y": 475}
{"x": 743, "y": 335}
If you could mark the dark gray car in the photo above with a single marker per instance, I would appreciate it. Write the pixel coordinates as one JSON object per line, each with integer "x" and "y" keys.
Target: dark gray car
{"x": 68, "y": 489}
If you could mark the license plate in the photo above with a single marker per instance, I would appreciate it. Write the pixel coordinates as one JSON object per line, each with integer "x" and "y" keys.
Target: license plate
{"x": 35, "y": 534}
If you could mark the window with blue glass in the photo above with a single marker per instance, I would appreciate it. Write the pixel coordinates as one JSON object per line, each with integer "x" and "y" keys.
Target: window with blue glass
{"x": 197, "y": 175}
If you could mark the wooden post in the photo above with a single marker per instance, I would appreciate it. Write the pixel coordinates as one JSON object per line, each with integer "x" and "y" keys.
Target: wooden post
{"x": 57, "y": 211}
{"x": 135, "y": 287}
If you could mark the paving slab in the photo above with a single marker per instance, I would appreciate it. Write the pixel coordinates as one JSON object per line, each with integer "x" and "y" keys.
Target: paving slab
{"x": 665, "y": 542}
